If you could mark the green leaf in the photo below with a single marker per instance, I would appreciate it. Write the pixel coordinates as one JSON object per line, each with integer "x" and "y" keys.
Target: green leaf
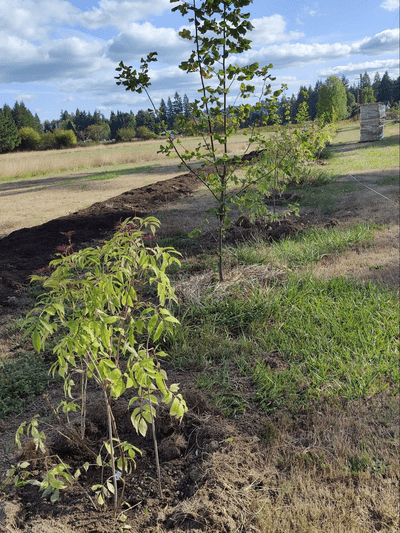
{"x": 55, "y": 496}
{"x": 36, "y": 340}
{"x": 142, "y": 428}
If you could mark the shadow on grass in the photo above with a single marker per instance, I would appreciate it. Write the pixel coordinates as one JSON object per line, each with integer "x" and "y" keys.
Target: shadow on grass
{"x": 64, "y": 180}
{"x": 392, "y": 140}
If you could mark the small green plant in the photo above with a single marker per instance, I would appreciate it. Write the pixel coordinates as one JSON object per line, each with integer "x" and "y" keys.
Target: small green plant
{"x": 96, "y": 302}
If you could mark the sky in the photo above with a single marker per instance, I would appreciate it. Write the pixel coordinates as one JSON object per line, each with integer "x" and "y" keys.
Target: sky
{"x": 62, "y": 54}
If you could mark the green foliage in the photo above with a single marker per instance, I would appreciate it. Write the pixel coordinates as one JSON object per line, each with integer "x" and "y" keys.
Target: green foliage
{"x": 143, "y": 132}
{"x": 24, "y": 118}
{"x": 64, "y": 138}
{"x": 367, "y": 95}
{"x": 332, "y": 100}
{"x": 30, "y": 138}
{"x": 9, "y": 138}
{"x": 98, "y": 132}
{"x": 47, "y": 141}
{"x": 125, "y": 135}
{"x": 96, "y": 303}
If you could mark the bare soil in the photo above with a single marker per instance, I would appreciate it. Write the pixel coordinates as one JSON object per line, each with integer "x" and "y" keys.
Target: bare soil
{"x": 218, "y": 475}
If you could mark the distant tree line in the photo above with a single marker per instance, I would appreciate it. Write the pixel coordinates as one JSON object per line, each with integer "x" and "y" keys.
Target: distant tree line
{"x": 385, "y": 90}
{"x": 21, "y": 130}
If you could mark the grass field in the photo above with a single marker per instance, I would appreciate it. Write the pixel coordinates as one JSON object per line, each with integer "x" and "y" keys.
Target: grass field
{"x": 315, "y": 359}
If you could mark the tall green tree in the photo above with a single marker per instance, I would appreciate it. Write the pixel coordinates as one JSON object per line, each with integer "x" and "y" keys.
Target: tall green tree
{"x": 217, "y": 32}
{"x": 385, "y": 89}
{"x": 146, "y": 118}
{"x": 121, "y": 120}
{"x": 313, "y": 100}
{"x": 186, "y": 107}
{"x": 332, "y": 100}
{"x": 376, "y": 84}
{"x": 9, "y": 138}
{"x": 23, "y": 118}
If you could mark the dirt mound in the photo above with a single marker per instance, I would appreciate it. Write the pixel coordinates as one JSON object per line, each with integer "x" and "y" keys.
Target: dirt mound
{"x": 29, "y": 249}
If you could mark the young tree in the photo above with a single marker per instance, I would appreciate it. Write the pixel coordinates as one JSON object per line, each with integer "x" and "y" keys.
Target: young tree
{"x": 332, "y": 100}
{"x": 218, "y": 32}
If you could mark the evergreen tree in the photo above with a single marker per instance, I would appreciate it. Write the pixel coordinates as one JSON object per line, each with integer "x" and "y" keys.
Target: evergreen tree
{"x": 313, "y": 100}
{"x": 376, "y": 84}
{"x": 365, "y": 81}
{"x": 351, "y": 103}
{"x": 385, "y": 89}
{"x": 23, "y": 118}
{"x": 186, "y": 107}
{"x": 177, "y": 105}
{"x": 170, "y": 113}
{"x": 38, "y": 127}
{"x": 9, "y": 138}
{"x": 146, "y": 118}
{"x": 396, "y": 90}
{"x": 163, "y": 112}
{"x": 121, "y": 121}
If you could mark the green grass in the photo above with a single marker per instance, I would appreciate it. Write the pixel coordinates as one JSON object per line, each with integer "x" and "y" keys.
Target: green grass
{"x": 305, "y": 248}
{"x": 362, "y": 156}
{"x": 336, "y": 338}
{"x": 21, "y": 380}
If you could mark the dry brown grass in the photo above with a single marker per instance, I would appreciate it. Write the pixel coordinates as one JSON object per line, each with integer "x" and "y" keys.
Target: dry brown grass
{"x": 25, "y": 164}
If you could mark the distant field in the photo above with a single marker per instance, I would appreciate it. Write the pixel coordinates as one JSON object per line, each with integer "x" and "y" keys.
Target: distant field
{"x": 31, "y": 164}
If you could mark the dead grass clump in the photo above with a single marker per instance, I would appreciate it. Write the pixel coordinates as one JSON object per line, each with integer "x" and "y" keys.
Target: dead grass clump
{"x": 192, "y": 290}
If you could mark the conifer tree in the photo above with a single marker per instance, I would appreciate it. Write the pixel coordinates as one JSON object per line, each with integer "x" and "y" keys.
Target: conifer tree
{"x": 9, "y": 138}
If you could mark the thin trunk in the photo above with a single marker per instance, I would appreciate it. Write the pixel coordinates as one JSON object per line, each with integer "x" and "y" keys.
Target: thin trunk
{"x": 110, "y": 438}
{"x": 153, "y": 429}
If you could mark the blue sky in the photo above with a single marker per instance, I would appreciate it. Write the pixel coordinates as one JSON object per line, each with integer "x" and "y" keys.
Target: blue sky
{"x": 62, "y": 54}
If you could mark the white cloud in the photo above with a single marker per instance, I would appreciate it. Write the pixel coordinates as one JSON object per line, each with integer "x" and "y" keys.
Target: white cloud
{"x": 271, "y": 30}
{"x": 356, "y": 68}
{"x": 122, "y": 13}
{"x": 385, "y": 41}
{"x": 141, "y": 39}
{"x": 295, "y": 55}
{"x": 34, "y": 19}
{"x": 26, "y": 97}
{"x": 390, "y": 5}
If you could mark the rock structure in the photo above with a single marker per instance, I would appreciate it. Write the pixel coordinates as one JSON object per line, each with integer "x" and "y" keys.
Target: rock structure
{"x": 372, "y": 121}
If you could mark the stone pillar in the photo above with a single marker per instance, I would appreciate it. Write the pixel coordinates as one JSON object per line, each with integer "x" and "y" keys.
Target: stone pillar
{"x": 372, "y": 121}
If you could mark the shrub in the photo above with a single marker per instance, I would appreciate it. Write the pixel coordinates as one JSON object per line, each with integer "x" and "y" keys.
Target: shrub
{"x": 30, "y": 138}
{"x": 47, "y": 141}
{"x": 64, "y": 138}
{"x": 125, "y": 135}
{"x": 98, "y": 132}
{"x": 143, "y": 132}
